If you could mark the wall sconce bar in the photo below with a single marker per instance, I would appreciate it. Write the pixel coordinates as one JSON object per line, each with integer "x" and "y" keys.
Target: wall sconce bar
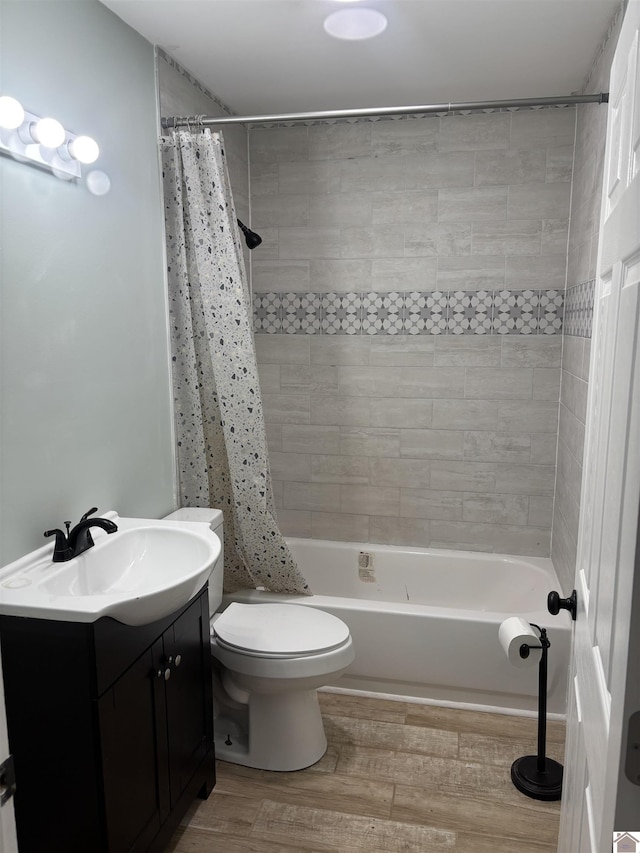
{"x": 43, "y": 142}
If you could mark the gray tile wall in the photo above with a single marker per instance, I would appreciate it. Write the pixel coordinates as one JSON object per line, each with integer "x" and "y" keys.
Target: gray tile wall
{"x": 581, "y": 274}
{"x": 414, "y": 438}
{"x": 414, "y": 441}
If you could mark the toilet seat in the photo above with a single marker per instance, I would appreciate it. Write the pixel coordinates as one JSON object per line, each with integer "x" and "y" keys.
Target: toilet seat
{"x": 279, "y": 630}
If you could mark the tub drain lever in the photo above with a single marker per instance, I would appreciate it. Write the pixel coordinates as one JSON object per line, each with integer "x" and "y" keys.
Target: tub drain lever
{"x": 537, "y": 776}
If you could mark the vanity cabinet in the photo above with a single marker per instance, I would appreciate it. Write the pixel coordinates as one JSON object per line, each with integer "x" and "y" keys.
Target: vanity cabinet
{"x": 111, "y": 729}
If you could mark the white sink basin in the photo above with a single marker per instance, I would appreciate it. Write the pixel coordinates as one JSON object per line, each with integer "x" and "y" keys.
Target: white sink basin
{"x": 143, "y": 572}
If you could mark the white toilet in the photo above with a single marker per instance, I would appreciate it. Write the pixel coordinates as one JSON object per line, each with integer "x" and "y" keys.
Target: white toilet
{"x": 268, "y": 661}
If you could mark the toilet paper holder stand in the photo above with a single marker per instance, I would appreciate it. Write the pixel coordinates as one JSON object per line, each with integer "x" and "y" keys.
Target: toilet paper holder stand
{"x": 537, "y": 776}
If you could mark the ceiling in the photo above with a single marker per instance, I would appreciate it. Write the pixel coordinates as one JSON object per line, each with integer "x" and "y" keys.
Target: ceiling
{"x": 273, "y": 56}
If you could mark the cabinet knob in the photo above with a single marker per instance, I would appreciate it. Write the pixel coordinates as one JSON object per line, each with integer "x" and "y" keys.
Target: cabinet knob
{"x": 164, "y": 673}
{"x": 178, "y": 660}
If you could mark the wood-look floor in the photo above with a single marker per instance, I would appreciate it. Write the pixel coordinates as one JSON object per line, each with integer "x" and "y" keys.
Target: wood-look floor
{"x": 396, "y": 777}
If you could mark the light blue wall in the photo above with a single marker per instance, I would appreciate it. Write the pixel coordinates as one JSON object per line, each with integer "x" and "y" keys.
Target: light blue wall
{"x": 85, "y": 383}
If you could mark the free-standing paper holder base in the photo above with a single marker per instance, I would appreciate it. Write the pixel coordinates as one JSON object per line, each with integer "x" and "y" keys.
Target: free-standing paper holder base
{"x": 539, "y": 784}
{"x": 537, "y": 776}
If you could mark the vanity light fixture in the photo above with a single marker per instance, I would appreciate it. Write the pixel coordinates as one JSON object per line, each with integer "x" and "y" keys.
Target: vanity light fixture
{"x": 355, "y": 23}
{"x": 43, "y": 142}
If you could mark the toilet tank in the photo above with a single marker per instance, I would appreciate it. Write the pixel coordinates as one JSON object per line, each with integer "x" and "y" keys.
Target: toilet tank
{"x": 213, "y": 517}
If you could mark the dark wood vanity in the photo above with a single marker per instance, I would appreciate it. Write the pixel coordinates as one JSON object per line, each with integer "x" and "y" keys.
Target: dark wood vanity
{"x": 111, "y": 729}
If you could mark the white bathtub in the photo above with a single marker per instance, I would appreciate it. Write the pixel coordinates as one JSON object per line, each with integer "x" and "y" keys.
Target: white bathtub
{"x": 425, "y": 622}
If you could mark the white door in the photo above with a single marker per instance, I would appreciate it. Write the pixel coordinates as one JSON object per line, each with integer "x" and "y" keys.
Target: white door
{"x": 601, "y": 696}
{"x": 8, "y": 838}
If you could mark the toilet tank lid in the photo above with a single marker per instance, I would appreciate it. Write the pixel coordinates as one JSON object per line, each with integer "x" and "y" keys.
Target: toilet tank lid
{"x": 280, "y": 629}
{"x": 213, "y": 517}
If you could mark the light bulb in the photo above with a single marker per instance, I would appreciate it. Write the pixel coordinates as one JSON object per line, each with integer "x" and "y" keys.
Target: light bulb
{"x": 11, "y": 113}
{"x": 48, "y": 132}
{"x": 84, "y": 148}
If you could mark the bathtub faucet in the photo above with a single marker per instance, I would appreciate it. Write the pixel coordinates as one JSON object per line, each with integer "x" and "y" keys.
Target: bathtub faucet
{"x": 72, "y": 543}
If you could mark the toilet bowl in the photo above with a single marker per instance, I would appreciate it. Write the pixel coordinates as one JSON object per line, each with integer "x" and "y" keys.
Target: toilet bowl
{"x": 268, "y": 662}
{"x": 273, "y": 657}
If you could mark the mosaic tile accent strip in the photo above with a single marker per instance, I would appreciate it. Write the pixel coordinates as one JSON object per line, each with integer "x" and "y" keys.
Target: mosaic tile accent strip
{"x": 342, "y": 313}
{"x": 301, "y": 313}
{"x": 267, "y": 313}
{"x": 470, "y": 312}
{"x": 578, "y": 311}
{"x": 382, "y": 313}
{"x": 454, "y": 312}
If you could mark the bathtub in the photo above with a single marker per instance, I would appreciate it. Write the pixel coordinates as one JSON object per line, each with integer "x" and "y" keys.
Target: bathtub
{"x": 425, "y": 622}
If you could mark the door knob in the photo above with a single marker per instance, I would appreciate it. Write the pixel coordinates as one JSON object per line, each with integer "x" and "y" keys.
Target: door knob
{"x": 555, "y": 604}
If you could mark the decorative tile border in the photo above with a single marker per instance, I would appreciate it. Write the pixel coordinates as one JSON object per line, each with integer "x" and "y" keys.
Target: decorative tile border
{"x": 453, "y": 312}
{"x": 579, "y": 309}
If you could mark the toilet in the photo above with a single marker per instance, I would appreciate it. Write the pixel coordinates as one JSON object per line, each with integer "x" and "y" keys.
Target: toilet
{"x": 268, "y": 662}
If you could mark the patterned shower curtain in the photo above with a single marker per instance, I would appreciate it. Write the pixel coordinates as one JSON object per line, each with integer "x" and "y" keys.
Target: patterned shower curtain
{"x": 221, "y": 441}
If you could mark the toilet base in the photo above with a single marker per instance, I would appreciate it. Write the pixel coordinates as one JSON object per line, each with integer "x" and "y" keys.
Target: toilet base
{"x": 285, "y": 733}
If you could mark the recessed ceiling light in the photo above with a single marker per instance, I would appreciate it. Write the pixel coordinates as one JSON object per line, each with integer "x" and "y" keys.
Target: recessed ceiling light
{"x": 354, "y": 24}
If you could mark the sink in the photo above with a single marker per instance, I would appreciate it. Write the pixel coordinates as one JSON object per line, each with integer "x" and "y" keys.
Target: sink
{"x": 145, "y": 571}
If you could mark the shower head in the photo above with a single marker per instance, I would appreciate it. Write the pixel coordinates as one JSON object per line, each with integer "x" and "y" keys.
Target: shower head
{"x": 252, "y": 239}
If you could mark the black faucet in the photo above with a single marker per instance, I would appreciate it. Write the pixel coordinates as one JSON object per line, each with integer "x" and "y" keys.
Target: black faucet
{"x": 78, "y": 539}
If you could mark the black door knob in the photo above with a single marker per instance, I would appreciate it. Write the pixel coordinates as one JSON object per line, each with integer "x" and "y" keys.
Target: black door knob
{"x": 555, "y": 604}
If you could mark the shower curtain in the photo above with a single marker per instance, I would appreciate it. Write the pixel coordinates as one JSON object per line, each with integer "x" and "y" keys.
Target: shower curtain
{"x": 220, "y": 435}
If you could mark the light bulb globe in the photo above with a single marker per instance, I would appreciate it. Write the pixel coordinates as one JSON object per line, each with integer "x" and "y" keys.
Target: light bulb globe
{"x": 49, "y": 132}
{"x": 85, "y": 149}
{"x": 11, "y": 113}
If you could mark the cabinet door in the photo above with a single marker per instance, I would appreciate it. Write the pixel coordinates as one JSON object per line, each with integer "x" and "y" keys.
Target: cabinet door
{"x": 131, "y": 754}
{"x": 188, "y": 694}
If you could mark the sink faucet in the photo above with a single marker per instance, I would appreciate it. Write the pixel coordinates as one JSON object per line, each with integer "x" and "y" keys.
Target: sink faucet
{"x": 72, "y": 543}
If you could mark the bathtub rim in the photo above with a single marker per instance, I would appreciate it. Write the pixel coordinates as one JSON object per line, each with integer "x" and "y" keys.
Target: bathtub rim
{"x": 337, "y": 602}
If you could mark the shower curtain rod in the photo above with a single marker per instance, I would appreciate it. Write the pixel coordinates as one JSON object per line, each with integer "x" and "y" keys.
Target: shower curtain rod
{"x": 206, "y": 121}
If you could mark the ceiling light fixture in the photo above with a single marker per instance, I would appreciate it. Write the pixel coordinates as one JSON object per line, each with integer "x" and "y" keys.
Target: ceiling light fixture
{"x": 355, "y": 24}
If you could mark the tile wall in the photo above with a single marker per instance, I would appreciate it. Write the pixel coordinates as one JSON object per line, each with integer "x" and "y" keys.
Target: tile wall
{"x": 408, "y": 303}
{"x": 581, "y": 275}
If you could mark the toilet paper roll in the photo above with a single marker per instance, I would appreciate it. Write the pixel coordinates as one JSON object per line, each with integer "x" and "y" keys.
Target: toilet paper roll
{"x": 513, "y": 632}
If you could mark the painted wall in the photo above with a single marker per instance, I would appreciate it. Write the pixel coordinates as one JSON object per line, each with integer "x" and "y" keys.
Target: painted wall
{"x": 86, "y": 417}
{"x": 581, "y": 273}
{"x": 408, "y": 302}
